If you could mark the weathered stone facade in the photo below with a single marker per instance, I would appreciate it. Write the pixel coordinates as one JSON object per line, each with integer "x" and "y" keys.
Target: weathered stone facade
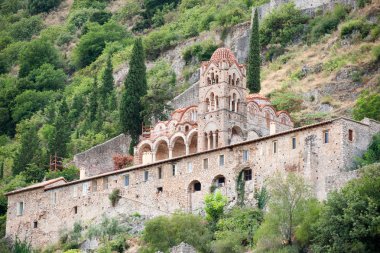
{"x": 321, "y": 152}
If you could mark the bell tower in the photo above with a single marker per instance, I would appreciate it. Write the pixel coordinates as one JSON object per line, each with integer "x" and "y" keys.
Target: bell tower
{"x": 222, "y": 105}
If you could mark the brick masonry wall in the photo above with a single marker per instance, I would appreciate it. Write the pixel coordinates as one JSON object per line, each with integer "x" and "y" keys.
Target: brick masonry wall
{"x": 322, "y": 164}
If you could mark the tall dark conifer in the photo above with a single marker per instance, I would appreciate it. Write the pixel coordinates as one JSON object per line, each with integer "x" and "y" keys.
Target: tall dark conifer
{"x": 107, "y": 81}
{"x": 254, "y": 61}
{"x": 62, "y": 131}
{"x": 93, "y": 101}
{"x": 28, "y": 151}
{"x": 131, "y": 107}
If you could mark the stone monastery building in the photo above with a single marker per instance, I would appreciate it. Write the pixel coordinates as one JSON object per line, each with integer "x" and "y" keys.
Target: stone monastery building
{"x": 229, "y": 134}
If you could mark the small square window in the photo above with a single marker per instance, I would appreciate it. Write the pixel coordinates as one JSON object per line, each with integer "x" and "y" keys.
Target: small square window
{"x": 221, "y": 160}
{"x": 326, "y": 136}
{"x": 35, "y": 224}
{"x": 75, "y": 191}
{"x": 126, "y": 180}
{"x": 159, "y": 172}
{"x": 85, "y": 188}
{"x": 274, "y": 147}
{"x": 189, "y": 167}
{"x": 160, "y": 189}
{"x": 245, "y": 155}
{"x": 205, "y": 163}
{"x": 54, "y": 198}
{"x": 75, "y": 209}
{"x": 146, "y": 175}
{"x": 294, "y": 143}
{"x": 247, "y": 175}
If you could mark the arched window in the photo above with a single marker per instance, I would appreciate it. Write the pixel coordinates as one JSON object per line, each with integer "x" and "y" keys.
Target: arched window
{"x": 207, "y": 104}
{"x": 208, "y": 81}
{"x": 217, "y": 79}
{"x": 233, "y": 79}
{"x": 237, "y": 82}
{"x": 212, "y": 78}
{"x": 229, "y": 79}
{"x": 267, "y": 117}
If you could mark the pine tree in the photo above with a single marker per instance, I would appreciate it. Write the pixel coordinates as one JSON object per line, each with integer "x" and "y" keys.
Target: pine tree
{"x": 107, "y": 82}
{"x": 93, "y": 100}
{"x": 254, "y": 61}
{"x": 131, "y": 107}
{"x": 28, "y": 151}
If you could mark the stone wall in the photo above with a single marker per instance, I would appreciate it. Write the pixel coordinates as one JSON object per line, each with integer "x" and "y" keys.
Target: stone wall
{"x": 187, "y": 98}
{"x": 307, "y": 6}
{"x": 322, "y": 165}
{"x": 98, "y": 159}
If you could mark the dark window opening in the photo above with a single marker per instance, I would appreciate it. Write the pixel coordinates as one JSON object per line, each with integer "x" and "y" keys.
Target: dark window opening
{"x": 174, "y": 169}
{"x": 35, "y": 224}
{"x": 221, "y": 180}
{"x": 146, "y": 175}
{"x": 247, "y": 175}
{"x": 350, "y": 135}
{"x": 159, "y": 189}
{"x": 159, "y": 172}
{"x": 294, "y": 144}
{"x": 197, "y": 187}
{"x": 75, "y": 209}
{"x": 326, "y": 136}
{"x": 275, "y": 147}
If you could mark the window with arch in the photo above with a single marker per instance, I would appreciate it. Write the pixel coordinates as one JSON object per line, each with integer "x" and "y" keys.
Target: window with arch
{"x": 247, "y": 173}
{"x": 237, "y": 82}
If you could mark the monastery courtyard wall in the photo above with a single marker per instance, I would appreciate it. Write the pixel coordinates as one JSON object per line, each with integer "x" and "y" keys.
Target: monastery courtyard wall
{"x": 181, "y": 183}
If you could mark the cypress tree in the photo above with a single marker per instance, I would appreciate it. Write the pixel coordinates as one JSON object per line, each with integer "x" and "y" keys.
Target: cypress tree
{"x": 107, "y": 81}
{"x": 131, "y": 107}
{"x": 62, "y": 131}
{"x": 28, "y": 151}
{"x": 254, "y": 61}
{"x": 93, "y": 101}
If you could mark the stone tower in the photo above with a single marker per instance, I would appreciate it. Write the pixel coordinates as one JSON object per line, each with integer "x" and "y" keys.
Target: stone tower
{"x": 222, "y": 105}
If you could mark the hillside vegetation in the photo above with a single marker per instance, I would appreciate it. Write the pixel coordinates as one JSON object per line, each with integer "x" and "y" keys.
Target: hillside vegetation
{"x": 58, "y": 94}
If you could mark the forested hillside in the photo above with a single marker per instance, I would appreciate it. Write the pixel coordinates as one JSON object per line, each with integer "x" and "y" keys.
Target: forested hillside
{"x": 57, "y": 59}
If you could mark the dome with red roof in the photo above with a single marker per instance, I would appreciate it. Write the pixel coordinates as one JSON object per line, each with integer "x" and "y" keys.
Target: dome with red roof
{"x": 223, "y": 54}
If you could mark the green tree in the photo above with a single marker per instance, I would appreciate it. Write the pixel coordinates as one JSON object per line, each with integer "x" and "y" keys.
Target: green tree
{"x": 70, "y": 173}
{"x": 26, "y": 28}
{"x": 47, "y": 77}
{"x": 236, "y": 229}
{"x": 38, "y": 6}
{"x": 92, "y": 43}
{"x": 288, "y": 198}
{"x": 164, "y": 232}
{"x": 350, "y": 221}
{"x": 367, "y": 105}
{"x": 34, "y": 173}
{"x": 254, "y": 60}
{"x": 93, "y": 103}
{"x": 36, "y": 53}
{"x": 61, "y": 134}
{"x": 107, "y": 81}
{"x": 28, "y": 151}
{"x": 214, "y": 206}
{"x": 131, "y": 107}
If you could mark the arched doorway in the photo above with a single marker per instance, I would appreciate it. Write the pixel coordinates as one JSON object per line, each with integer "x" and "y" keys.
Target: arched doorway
{"x": 236, "y": 135}
{"x": 195, "y": 196}
{"x": 219, "y": 182}
{"x": 145, "y": 153}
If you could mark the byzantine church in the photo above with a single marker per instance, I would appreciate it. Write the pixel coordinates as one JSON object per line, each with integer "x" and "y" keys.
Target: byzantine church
{"x": 226, "y": 114}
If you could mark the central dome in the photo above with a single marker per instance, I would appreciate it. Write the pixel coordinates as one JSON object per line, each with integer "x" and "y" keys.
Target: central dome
{"x": 223, "y": 54}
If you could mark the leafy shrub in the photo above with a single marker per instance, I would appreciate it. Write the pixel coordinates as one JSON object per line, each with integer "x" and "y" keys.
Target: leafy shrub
{"x": 38, "y": 6}
{"x": 36, "y": 53}
{"x": 46, "y": 77}
{"x": 355, "y": 25}
{"x": 375, "y": 32}
{"x": 70, "y": 174}
{"x": 21, "y": 246}
{"x": 100, "y": 17}
{"x": 94, "y": 41}
{"x": 327, "y": 23}
{"x": 362, "y": 3}
{"x": 78, "y": 18}
{"x": 283, "y": 25}
{"x": 119, "y": 244}
{"x": 372, "y": 155}
{"x": 96, "y": 4}
{"x": 201, "y": 51}
{"x": 236, "y": 229}
{"x": 164, "y": 232}
{"x": 286, "y": 101}
{"x": 26, "y": 28}
{"x": 114, "y": 196}
{"x": 376, "y": 52}
{"x": 335, "y": 64}
{"x": 273, "y": 52}
{"x": 349, "y": 215}
{"x": 367, "y": 105}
